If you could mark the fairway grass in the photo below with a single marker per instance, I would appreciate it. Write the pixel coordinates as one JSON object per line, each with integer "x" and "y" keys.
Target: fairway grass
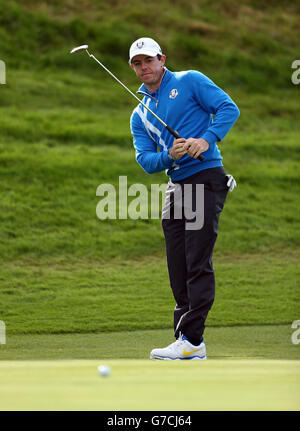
{"x": 144, "y": 385}
{"x": 237, "y": 342}
{"x": 248, "y": 368}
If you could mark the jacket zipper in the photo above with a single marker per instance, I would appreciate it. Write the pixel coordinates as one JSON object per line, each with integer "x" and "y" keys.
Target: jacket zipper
{"x": 149, "y": 95}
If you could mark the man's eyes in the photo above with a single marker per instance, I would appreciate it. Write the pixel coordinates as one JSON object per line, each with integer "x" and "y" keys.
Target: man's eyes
{"x": 148, "y": 60}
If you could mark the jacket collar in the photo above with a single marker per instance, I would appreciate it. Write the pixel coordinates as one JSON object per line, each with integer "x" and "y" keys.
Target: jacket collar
{"x": 165, "y": 79}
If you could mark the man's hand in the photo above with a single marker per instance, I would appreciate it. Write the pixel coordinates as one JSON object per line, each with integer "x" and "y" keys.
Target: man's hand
{"x": 178, "y": 149}
{"x": 194, "y": 147}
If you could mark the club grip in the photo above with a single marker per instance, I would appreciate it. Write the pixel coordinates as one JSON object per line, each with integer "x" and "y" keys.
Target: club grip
{"x": 176, "y": 136}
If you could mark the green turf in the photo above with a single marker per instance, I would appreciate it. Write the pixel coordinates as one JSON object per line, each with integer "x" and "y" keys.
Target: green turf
{"x": 237, "y": 342}
{"x": 150, "y": 385}
{"x": 65, "y": 130}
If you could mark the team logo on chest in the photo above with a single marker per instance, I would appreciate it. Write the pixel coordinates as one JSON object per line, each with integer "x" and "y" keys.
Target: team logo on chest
{"x": 173, "y": 93}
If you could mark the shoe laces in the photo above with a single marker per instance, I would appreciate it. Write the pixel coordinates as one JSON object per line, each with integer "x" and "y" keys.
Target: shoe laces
{"x": 178, "y": 342}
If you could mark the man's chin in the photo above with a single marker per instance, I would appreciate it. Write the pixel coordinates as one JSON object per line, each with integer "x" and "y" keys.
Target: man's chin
{"x": 147, "y": 79}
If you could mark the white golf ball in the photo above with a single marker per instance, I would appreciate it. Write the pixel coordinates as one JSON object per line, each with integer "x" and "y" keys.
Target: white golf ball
{"x": 103, "y": 370}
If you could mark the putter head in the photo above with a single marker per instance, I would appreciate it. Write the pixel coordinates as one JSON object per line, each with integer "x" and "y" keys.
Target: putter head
{"x": 79, "y": 48}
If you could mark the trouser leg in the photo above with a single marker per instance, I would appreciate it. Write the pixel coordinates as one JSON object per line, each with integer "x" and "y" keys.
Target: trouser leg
{"x": 189, "y": 257}
{"x": 176, "y": 260}
{"x": 173, "y": 227}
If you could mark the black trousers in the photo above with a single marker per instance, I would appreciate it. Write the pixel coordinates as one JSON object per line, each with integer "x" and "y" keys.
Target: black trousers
{"x": 189, "y": 251}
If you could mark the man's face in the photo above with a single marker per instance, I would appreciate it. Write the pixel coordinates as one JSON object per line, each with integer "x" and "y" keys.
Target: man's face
{"x": 148, "y": 69}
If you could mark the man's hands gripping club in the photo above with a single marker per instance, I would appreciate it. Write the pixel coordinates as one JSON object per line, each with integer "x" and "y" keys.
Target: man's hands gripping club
{"x": 191, "y": 146}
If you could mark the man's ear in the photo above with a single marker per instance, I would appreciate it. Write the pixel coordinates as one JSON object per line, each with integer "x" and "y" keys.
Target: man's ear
{"x": 131, "y": 65}
{"x": 163, "y": 59}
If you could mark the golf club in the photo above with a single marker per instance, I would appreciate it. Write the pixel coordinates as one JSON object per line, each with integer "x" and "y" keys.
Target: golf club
{"x": 85, "y": 47}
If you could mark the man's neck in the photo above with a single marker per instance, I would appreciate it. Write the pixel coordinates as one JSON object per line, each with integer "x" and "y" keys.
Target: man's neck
{"x": 154, "y": 87}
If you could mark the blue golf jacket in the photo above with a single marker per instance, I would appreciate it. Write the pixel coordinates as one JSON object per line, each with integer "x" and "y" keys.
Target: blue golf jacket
{"x": 193, "y": 105}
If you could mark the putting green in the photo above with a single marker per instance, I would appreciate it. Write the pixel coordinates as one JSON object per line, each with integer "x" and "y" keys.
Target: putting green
{"x": 150, "y": 385}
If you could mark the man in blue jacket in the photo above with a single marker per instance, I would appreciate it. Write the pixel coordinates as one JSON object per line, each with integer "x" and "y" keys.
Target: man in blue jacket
{"x": 202, "y": 114}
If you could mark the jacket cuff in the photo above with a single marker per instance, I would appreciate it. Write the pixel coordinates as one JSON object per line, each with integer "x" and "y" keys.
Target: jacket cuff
{"x": 166, "y": 160}
{"x": 210, "y": 137}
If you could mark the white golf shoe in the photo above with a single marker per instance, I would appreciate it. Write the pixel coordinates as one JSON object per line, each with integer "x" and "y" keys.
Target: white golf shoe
{"x": 180, "y": 349}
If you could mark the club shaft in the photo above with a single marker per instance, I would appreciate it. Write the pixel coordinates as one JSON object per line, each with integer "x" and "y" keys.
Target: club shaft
{"x": 124, "y": 86}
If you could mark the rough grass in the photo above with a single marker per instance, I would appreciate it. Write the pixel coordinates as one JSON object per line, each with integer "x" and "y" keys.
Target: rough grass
{"x": 89, "y": 296}
{"x": 49, "y": 195}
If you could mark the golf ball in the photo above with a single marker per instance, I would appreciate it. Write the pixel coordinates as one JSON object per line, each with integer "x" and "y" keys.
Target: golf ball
{"x": 103, "y": 370}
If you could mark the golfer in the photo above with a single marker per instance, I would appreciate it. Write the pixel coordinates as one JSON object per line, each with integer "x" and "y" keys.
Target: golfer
{"x": 202, "y": 114}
